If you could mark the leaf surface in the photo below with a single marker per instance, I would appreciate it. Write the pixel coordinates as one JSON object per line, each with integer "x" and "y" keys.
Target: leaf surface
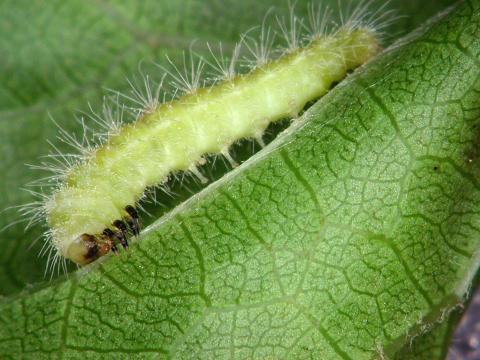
{"x": 353, "y": 231}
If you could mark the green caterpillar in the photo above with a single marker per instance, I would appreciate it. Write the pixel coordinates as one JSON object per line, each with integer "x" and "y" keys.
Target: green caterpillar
{"x": 93, "y": 209}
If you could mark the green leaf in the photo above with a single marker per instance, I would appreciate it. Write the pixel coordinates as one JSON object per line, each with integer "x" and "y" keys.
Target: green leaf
{"x": 448, "y": 337}
{"x": 433, "y": 344}
{"x": 351, "y": 233}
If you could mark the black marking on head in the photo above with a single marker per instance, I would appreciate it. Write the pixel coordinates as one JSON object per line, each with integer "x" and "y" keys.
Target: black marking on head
{"x": 92, "y": 253}
{"x": 91, "y": 245}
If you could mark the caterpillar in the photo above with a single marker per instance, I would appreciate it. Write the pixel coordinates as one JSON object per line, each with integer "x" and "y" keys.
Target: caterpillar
{"x": 92, "y": 209}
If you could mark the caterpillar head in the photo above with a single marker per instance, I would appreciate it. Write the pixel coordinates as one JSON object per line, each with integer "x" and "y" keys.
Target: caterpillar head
{"x": 85, "y": 248}
{"x": 82, "y": 234}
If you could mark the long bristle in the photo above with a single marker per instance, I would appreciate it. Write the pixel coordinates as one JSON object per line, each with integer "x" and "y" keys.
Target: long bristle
{"x": 223, "y": 67}
{"x": 291, "y": 29}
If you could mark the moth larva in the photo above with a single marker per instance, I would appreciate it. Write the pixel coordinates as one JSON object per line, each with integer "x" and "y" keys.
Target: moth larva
{"x": 92, "y": 211}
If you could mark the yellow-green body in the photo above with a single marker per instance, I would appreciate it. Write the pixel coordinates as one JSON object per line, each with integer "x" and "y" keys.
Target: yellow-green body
{"x": 176, "y": 135}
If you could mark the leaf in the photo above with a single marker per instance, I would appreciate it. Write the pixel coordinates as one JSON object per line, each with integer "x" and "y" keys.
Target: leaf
{"x": 449, "y": 339}
{"x": 353, "y": 231}
{"x": 432, "y": 345}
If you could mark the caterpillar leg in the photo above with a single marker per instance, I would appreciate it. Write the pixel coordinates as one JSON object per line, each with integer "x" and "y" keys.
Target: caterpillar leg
{"x": 134, "y": 222}
{"x": 122, "y": 226}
